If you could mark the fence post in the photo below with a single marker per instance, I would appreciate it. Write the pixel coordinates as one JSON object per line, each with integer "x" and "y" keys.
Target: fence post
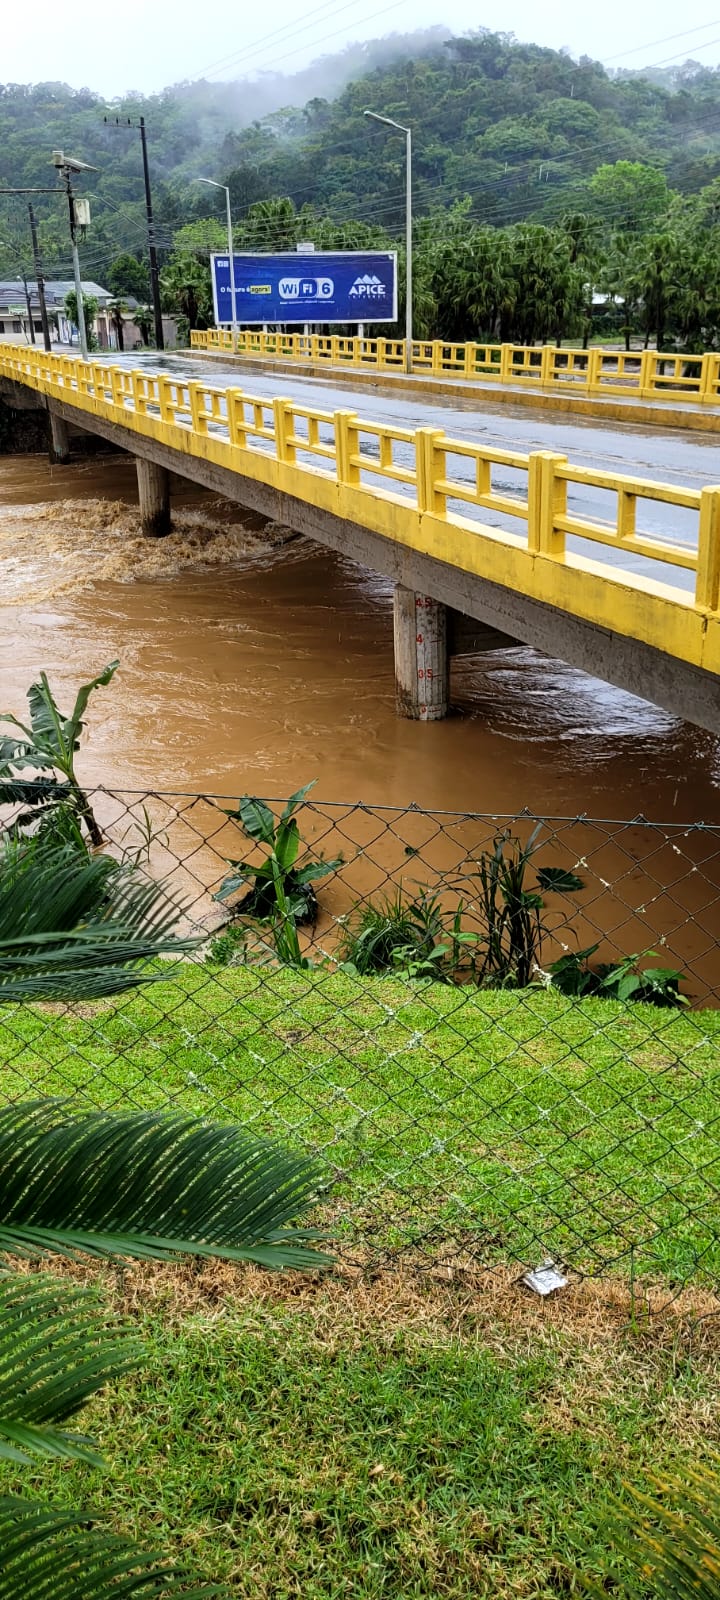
{"x": 506, "y": 355}
{"x": 470, "y": 357}
{"x": 283, "y": 424}
{"x": 547, "y": 500}
{"x": 429, "y": 467}
{"x": 707, "y": 584}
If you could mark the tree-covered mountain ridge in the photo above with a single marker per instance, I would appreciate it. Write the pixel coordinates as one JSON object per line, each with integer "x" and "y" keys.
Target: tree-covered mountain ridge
{"x": 537, "y": 179}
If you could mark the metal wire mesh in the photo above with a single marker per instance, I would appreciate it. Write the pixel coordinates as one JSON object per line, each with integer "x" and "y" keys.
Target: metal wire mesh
{"x": 488, "y": 1115}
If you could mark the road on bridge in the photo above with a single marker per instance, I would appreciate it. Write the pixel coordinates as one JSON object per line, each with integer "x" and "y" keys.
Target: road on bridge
{"x": 667, "y": 456}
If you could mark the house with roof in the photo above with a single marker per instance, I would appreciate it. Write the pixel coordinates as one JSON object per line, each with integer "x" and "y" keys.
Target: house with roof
{"x": 20, "y": 309}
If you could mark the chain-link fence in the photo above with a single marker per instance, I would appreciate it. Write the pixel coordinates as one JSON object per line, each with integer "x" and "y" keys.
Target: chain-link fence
{"x": 498, "y": 1035}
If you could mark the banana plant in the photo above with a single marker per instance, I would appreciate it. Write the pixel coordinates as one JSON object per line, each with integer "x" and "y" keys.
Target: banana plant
{"x": 280, "y": 865}
{"x": 37, "y": 769}
{"x": 91, "y": 1183}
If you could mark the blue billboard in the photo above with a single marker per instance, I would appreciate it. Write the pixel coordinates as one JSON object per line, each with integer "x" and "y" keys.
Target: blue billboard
{"x": 318, "y": 286}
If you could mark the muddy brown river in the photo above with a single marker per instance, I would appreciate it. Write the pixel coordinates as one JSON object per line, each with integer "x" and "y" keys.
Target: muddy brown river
{"x": 254, "y": 660}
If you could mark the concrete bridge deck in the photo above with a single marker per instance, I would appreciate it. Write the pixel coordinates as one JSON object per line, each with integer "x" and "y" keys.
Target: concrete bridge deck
{"x": 614, "y": 571}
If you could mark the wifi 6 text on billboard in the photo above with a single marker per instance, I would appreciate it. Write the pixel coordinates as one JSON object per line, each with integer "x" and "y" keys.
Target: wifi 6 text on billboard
{"x": 325, "y": 286}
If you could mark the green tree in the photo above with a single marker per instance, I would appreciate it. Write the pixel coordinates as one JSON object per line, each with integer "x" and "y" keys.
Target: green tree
{"x": 128, "y": 276}
{"x": 90, "y": 309}
{"x": 629, "y": 196}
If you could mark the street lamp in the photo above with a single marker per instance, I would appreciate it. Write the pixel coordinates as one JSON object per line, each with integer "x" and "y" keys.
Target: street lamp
{"x": 78, "y": 210}
{"x": 391, "y": 123}
{"x": 214, "y": 185}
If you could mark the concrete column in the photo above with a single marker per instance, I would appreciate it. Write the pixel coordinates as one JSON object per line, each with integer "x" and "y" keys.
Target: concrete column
{"x": 59, "y": 439}
{"x": 154, "y": 493}
{"x": 422, "y": 681}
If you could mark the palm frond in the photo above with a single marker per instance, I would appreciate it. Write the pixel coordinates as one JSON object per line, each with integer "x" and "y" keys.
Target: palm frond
{"x": 55, "y": 1353}
{"x": 666, "y": 1544}
{"x": 149, "y": 1185}
{"x": 79, "y": 927}
{"x": 62, "y": 1555}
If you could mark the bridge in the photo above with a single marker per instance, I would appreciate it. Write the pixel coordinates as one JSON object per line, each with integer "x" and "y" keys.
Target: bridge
{"x": 617, "y": 574}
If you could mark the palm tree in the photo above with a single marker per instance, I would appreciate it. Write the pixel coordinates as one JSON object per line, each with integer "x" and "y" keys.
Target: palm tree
{"x": 665, "y": 1544}
{"x": 93, "y": 1183}
{"x": 144, "y": 321}
{"x": 117, "y": 309}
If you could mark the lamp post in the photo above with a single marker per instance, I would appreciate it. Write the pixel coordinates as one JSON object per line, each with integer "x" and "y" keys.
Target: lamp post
{"x": 391, "y": 123}
{"x": 214, "y": 185}
{"x": 66, "y": 165}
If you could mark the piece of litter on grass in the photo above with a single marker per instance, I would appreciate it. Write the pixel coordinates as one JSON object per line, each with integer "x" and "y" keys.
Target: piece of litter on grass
{"x": 545, "y": 1279}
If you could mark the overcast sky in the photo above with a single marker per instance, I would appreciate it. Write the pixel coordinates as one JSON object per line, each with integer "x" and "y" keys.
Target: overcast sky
{"x": 149, "y": 44}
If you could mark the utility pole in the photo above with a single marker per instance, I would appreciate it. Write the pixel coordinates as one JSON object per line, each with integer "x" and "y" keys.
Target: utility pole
{"x": 152, "y": 251}
{"x": 40, "y": 279}
{"x": 154, "y": 274}
{"x": 31, "y": 328}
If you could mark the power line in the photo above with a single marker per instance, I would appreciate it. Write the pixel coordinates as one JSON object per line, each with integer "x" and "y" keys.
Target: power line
{"x": 668, "y": 39}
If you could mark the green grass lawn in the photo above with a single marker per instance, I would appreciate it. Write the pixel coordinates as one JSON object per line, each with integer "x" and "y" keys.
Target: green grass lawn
{"x": 520, "y": 1122}
{"x": 351, "y": 1442}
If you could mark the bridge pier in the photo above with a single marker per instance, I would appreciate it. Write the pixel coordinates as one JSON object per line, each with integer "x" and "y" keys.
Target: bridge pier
{"x": 154, "y": 496}
{"x": 59, "y": 451}
{"x": 422, "y": 676}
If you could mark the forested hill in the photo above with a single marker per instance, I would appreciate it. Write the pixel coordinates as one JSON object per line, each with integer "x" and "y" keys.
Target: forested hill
{"x": 517, "y": 128}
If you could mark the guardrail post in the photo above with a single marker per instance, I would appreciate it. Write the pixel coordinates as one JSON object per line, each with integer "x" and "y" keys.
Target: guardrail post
{"x": 547, "y": 499}
{"x": 167, "y": 408}
{"x": 710, "y": 369}
{"x": 346, "y": 447}
{"x": 139, "y": 391}
{"x": 646, "y": 385}
{"x": 593, "y": 368}
{"x": 707, "y": 584}
{"x": 283, "y": 424}
{"x": 546, "y": 366}
{"x": 237, "y": 431}
{"x": 506, "y": 355}
{"x": 198, "y": 413}
{"x": 118, "y": 393}
{"x": 429, "y": 467}
{"x": 470, "y": 357}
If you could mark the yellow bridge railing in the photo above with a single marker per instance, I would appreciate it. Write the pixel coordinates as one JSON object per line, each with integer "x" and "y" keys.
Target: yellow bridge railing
{"x": 427, "y": 491}
{"x": 642, "y": 374}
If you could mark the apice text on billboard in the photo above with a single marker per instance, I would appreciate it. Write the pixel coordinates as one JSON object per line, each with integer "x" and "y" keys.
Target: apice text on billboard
{"x": 326, "y": 287}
